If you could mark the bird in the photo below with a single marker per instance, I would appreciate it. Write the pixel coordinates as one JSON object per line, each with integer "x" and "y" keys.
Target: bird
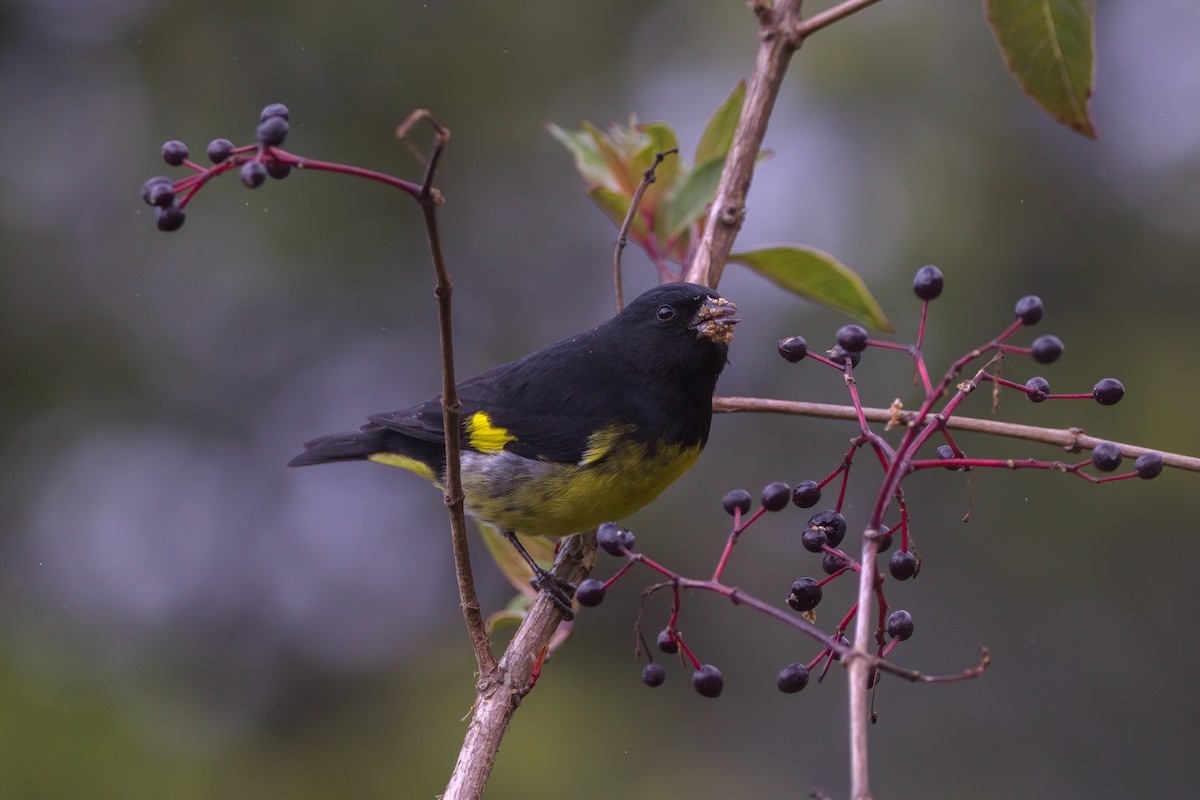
{"x": 584, "y": 431}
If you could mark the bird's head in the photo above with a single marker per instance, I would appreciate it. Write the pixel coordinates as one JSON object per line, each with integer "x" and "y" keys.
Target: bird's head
{"x": 679, "y": 326}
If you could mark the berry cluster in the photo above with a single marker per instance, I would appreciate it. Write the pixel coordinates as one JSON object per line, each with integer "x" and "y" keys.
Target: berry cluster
{"x": 256, "y": 161}
{"x": 825, "y": 530}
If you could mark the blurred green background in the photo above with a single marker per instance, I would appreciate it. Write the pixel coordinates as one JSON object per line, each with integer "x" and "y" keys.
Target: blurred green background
{"x": 183, "y": 617}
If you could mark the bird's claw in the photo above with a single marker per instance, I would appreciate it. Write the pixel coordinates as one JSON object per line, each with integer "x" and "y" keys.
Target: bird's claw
{"x": 559, "y": 591}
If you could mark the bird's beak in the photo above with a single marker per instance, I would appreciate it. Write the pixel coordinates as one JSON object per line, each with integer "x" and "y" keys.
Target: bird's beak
{"x": 715, "y": 320}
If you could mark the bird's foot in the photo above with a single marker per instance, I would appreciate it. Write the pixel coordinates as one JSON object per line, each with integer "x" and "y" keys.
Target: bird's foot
{"x": 559, "y": 591}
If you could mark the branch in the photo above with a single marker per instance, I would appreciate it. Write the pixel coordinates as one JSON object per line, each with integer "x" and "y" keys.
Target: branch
{"x": 429, "y": 200}
{"x": 779, "y": 38}
{"x": 648, "y": 177}
{"x": 499, "y": 693}
{"x": 1070, "y": 439}
{"x": 826, "y": 18}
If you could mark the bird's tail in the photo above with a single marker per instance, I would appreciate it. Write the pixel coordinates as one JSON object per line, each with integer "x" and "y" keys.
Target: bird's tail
{"x": 354, "y": 446}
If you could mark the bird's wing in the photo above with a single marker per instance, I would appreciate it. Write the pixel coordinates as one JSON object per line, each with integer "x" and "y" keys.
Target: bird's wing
{"x": 544, "y": 406}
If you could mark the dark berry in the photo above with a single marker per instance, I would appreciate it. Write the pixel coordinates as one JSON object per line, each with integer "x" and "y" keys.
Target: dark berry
{"x": 653, "y": 674}
{"x": 737, "y": 500}
{"x": 708, "y": 681}
{"x": 814, "y": 541}
{"x": 832, "y": 562}
{"x": 274, "y": 110}
{"x": 928, "y": 283}
{"x": 805, "y": 594}
{"x": 278, "y": 169}
{"x": 946, "y": 453}
{"x": 885, "y": 542}
{"x": 612, "y": 538}
{"x": 1148, "y": 465}
{"x": 832, "y": 522}
{"x": 174, "y": 152}
{"x": 900, "y": 625}
{"x": 839, "y": 354}
{"x": 844, "y": 642}
{"x": 1029, "y": 309}
{"x": 1106, "y": 456}
{"x": 1039, "y": 387}
{"x": 253, "y": 174}
{"x": 219, "y": 150}
{"x": 903, "y": 564}
{"x": 806, "y": 494}
{"x": 148, "y": 188}
{"x": 169, "y": 218}
{"x": 793, "y": 349}
{"x": 853, "y": 338}
{"x": 1046, "y": 349}
{"x": 792, "y": 678}
{"x": 162, "y": 195}
{"x": 775, "y": 496}
{"x": 590, "y": 593}
{"x": 1108, "y": 392}
{"x": 667, "y": 642}
{"x": 272, "y": 131}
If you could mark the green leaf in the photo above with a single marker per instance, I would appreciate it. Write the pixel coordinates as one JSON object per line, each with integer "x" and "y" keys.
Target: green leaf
{"x": 662, "y": 139}
{"x": 718, "y": 133}
{"x": 618, "y": 163}
{"x": 582, "y": 146}
{"x": 1047, "y": 46}
{"x": 692, "y": 196}
{"x": 616, "y": 205}
{"x": 818, "y": 276}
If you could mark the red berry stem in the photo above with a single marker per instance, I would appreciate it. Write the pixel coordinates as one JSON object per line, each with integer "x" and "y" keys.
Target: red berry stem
{"x": 625, "y": 568}
{"x": 687, "y": 651}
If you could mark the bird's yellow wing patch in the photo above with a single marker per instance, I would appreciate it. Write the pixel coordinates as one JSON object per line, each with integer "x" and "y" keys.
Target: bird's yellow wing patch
{"x": 485, "y": 437}
{"x": 601, "y": 443}
{"x": 404, "y": 462}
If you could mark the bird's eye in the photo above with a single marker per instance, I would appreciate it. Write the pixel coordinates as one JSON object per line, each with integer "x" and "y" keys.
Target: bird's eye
{"x": 665, "y": 313}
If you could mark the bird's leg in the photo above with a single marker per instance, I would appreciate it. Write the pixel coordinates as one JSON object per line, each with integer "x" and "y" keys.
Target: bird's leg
{"x": 560, "y": 591}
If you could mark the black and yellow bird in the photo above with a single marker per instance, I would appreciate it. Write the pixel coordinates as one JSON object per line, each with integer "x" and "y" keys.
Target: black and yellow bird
{"x": 587, "y": 430}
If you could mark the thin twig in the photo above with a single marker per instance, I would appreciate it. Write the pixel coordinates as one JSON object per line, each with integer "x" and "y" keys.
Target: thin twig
{"x": 1071, "y": 439}
{"x": 648, "y": 177}
{"x": 826, "y": 18}
{"x": 429, "y": 199}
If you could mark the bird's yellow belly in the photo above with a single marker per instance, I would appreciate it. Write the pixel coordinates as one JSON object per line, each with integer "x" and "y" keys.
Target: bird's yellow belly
{"x": 540, "y": 498}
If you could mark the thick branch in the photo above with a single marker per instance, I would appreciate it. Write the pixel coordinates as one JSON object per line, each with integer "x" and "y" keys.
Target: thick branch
{"x": 778, "y": 33}
{"x": 500, "y": 692}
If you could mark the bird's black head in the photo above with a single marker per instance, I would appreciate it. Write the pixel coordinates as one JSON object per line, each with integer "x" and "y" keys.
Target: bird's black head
{"x": 682, "y": 329}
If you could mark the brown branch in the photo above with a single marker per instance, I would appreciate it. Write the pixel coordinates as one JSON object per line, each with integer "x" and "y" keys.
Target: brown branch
{"x": 430, "y": 199}
{"x": 648, "y": 177}
{"x": 778, "y": 34}
{"x": 1071, "y": 439}
{"x": 500, "y": 692}
{"x": 826, "y": 18}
